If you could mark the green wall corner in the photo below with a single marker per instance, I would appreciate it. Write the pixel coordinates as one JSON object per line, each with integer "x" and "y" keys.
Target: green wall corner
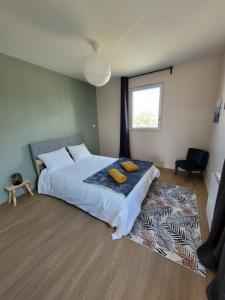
{"x": 38, "y": 104}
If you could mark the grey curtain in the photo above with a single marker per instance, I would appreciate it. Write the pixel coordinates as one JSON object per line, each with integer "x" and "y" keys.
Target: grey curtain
{"x": 212, "y": 252}
{"x": 124, "y": 119}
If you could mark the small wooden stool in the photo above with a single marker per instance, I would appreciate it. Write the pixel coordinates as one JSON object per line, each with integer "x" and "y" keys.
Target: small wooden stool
{"x": 12, "y": 190}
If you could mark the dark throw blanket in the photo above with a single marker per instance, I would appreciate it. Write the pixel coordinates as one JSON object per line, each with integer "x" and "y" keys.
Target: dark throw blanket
{"x": 102, "y": 178}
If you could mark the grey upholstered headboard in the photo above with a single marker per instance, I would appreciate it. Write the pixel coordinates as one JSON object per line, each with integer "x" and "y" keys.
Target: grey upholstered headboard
{"x": 52, "y": 145}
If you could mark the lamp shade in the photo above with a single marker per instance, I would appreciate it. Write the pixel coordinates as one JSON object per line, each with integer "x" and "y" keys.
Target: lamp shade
{"x": 97, "y": 70}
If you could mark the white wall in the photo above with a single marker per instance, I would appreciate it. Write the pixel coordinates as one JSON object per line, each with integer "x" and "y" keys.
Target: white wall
{"x": 188, "y": 104}
{"x": 217, "y": 140}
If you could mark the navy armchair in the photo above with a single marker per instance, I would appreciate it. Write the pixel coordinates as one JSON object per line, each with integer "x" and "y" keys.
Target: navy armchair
{"x": 196, "y": 161}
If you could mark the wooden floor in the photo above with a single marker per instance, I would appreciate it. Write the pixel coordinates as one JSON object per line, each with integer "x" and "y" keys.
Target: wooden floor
{"x": 51, "y": 250}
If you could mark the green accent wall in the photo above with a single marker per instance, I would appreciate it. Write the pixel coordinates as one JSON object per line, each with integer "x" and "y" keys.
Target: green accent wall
{"x": 38, "y": 104}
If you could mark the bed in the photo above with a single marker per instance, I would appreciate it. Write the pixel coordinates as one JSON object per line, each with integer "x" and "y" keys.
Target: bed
{"x": 67, "y": 184}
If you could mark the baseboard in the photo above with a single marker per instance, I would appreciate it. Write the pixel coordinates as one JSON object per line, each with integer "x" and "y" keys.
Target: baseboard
{"x": 164, "y": 168}
{"x": 3, "y": 201}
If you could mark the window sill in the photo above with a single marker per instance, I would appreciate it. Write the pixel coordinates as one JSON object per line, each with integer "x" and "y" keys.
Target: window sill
{"x": 144, "y": 129}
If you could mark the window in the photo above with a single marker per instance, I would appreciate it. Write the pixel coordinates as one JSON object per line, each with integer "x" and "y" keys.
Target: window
{"x": 146, "y": 105}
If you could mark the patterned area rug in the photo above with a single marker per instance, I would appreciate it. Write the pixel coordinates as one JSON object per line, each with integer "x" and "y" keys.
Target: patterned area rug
{"x": 168, "y": 224}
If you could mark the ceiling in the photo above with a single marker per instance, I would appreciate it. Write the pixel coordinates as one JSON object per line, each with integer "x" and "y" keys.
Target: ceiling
{"x": 136, "y": 35}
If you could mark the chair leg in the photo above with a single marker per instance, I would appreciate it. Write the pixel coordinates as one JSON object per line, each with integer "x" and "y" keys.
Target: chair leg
{"x": 175, "y": 171}
{"x": 202, "y": 174}
{"x": 188, "y": 175}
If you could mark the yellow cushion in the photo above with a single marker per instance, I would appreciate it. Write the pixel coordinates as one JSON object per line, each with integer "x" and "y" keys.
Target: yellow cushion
{"x": 117, "y": 175}
{"x": 129, "y": 166}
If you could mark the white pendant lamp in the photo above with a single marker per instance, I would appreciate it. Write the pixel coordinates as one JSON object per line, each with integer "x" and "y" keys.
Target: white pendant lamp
{"x": 97, "y": 70}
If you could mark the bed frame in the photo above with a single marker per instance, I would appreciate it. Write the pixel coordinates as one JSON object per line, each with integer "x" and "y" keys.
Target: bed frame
{"x": 49, "y": 146}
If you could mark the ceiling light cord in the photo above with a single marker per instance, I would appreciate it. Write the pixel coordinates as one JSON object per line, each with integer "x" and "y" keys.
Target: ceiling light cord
{"x": 96, "y": 46}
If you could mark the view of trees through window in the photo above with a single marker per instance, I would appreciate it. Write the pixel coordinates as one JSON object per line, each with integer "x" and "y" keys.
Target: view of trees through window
{"x": 146, "y": 107}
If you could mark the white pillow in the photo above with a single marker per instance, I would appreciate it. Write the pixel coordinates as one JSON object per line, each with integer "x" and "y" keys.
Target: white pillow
{"x": 79, "y": 152}
{"x": 56, "y": 159}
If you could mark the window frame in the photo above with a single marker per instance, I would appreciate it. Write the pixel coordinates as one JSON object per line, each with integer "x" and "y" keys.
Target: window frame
{"x": 145, "y": 87}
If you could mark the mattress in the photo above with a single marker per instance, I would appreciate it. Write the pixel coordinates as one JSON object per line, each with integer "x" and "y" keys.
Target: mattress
{"x": 113, "y": 208}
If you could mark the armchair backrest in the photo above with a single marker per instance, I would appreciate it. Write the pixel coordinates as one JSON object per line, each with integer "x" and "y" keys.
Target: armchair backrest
{"x": 198, "y": 156}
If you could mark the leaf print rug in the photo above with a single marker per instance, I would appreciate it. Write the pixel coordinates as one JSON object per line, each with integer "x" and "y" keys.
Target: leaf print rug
{"x": 168, "y": 224}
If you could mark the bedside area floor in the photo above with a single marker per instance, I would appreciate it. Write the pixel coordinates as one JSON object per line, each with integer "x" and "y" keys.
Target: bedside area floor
{"x": 52, "y": 250}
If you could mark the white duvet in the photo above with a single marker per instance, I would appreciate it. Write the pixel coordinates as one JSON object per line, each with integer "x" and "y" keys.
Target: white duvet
{"x": 115, "y": 209}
